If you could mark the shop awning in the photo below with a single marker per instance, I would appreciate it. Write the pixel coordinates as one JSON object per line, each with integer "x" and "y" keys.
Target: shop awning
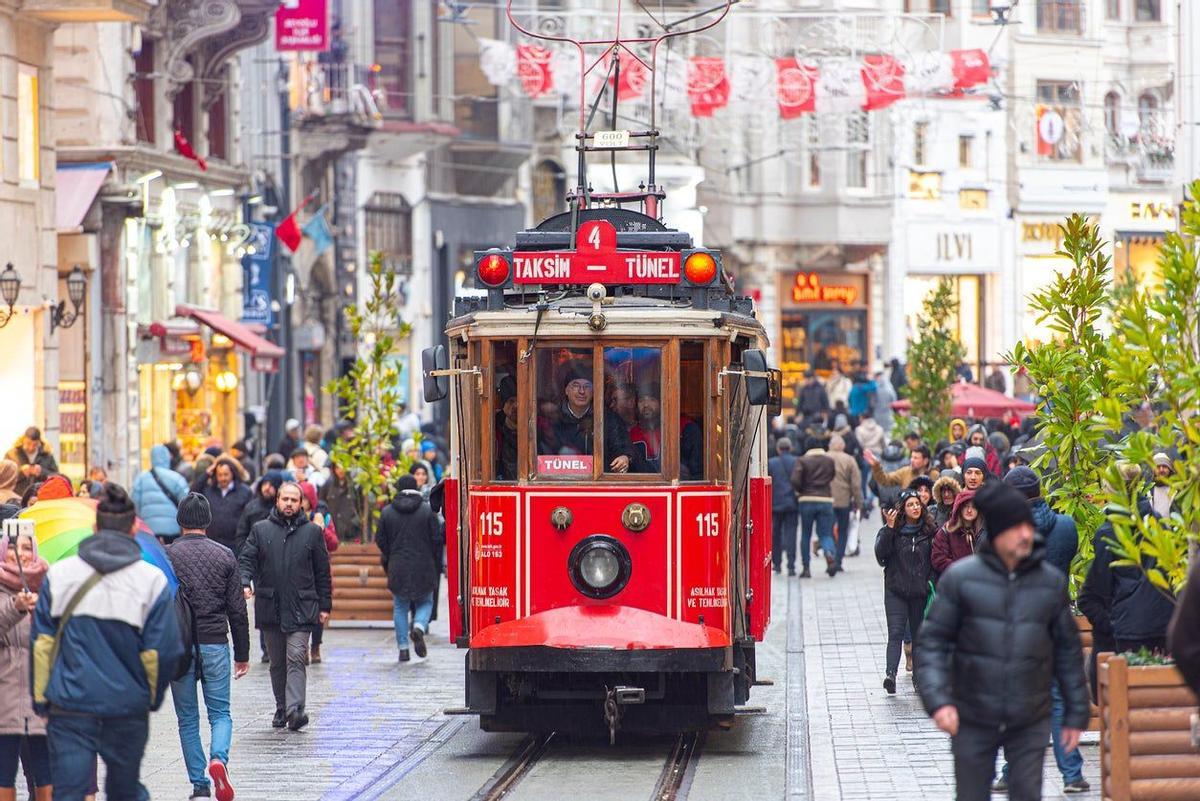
{"x": 75, "y": 188}
{"x": 265, "y": 354}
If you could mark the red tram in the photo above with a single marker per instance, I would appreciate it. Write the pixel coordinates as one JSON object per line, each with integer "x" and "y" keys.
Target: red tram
{"x": 608, "y": 519}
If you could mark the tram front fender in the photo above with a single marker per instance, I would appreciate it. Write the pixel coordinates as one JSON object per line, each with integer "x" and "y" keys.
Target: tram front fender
{"x": 609, "y": 627}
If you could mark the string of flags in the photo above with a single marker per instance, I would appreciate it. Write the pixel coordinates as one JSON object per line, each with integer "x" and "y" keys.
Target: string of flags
{"x": 316, "y": 229}
{"x": 710, "y": 82}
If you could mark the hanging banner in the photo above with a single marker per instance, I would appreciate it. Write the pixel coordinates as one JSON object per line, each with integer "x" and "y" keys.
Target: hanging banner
{"x": 256, "y": 274}
{"x": 632, "y": 80}
{"x": 883, "y": 81}
{"x": 533, "y": 69}
{"x": 840, "y": 86}
{"x": 707, "y": 85}
{"x": 795, "y": 87}
{"x": 302, "y": 26}
{"x": 970, "y": 68}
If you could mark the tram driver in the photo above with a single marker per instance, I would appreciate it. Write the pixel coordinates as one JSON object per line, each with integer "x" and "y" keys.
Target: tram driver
{"x": 506, "y": 431}
{"x": 646, "y": 437}
{"x": 573, "y": 432}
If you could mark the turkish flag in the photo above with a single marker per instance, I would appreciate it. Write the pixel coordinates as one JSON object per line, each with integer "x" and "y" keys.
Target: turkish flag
{"x": 184, "y": 148}
{"x": 795, "y": 86}
{"x": 970, "y": 67}
{"x": 289, "y": 232}
{"x": 883, "y": 80}
{"x": 707, "y": 85}
{"x": 533, "y": 69}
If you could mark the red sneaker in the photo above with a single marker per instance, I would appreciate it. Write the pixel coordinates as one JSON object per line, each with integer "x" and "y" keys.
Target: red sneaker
{"x": 222, "y": 789}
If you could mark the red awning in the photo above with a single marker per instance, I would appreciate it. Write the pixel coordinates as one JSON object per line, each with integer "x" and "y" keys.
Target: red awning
{"x": 972, "y": 400}
{"x": 261, "y": 349}
{"x": 75, "y": 188}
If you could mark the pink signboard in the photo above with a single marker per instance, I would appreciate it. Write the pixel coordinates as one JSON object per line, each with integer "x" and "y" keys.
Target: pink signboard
{"x": 596, "y": 259}
{"x": 302, "y": 25}
{"x": 565, "y": 465}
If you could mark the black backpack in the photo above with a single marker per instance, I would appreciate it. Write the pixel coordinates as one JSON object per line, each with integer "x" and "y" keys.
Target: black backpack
{"x": 186, "y": 615}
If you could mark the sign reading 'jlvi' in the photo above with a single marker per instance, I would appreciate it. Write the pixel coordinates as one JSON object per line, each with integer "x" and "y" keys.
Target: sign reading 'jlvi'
{"x": 807, "y": 288}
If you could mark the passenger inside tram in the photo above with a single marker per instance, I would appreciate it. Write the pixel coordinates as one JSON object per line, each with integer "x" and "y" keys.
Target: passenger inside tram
{"x": 506, "y": 430}
{"x": 646, "y": 437}
{"x": 573, "y": 432}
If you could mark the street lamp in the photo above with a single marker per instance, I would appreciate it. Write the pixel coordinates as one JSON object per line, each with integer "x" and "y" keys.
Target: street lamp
{"x": 76, "y": 286}
{"x": 10, "y": 287}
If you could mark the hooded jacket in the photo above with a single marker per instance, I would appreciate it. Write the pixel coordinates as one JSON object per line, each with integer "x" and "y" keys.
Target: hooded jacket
{"x": 287, "y": 562}
{"x": 994, "y": 466}
{"x": 885, "y": 396}
{"x": 942, "y": 512}
{"x": 783, "y": 496}
{"x": 905, "y": 558}
{"x": 258, "y": 508}
{"x": 9, "y": 473}
{"x": 409, "y": 540}
{"x": 1058, "y": 532}
{"x": 871, "y": 435}
{"x": 951, "y": 546}
{"x": 957, "y": 423}
{"x": 994, "y": 640}
{"x": 156, "y": 509}
{"x": 120, "y": 647}
{"x": 16, "y": 699}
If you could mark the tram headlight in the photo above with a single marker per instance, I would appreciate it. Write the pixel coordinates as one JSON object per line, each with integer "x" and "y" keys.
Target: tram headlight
{"x": 599, "y": 566}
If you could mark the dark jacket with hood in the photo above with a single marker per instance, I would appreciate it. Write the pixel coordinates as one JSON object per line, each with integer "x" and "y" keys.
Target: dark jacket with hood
{"x": 227, "y": 507}
{"x": 410, "y": 542}
{"x": 1058, "y": 532}
{"x": 994, "y": 641}
{"x": 256, "y": 509}
{"x": 287, "y": 562}
{"x": 941, "y": 512}
{"x": 783, "y": 496}
{"x": 1120, "y": 602}
{"x": 120, "y": 647}
{"x": 208, "y": 573}
{"x": 904, "y": 552}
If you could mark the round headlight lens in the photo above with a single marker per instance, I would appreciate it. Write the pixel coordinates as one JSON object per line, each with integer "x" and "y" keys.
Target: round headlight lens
{"x": 599, "y": 567}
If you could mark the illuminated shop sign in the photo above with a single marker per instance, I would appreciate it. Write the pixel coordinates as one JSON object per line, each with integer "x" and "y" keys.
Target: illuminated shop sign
{"x": 807, "y": 288}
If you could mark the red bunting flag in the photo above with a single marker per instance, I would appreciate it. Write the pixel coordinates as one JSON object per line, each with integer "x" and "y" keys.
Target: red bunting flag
{"x": 289, "y": 232}
{"x": 795, "y": 86}
{"x": 883, "y": 79}
{"x": 632, "y": 80}
{"x": 184, "y": 148}
{"x": 970, "y": 67}
{"x": 708, "y": 85}
{"x": 533, "y": 70}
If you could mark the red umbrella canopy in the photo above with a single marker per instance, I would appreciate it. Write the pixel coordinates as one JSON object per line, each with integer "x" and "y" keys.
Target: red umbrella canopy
{"x": 972, "y": 400}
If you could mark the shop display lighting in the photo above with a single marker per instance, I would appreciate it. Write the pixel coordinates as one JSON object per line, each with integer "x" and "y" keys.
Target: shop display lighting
{"x": 226, "y": 381}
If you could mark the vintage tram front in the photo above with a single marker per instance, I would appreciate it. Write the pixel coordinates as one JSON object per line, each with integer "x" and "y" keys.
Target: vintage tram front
{"x": 608, "y": 520}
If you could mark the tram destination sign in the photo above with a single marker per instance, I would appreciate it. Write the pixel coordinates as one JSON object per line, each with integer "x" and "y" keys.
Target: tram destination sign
{"x": 596, "y": 260}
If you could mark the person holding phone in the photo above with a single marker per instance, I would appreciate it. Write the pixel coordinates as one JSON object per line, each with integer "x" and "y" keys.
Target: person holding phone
{"x": 903, "y": 547}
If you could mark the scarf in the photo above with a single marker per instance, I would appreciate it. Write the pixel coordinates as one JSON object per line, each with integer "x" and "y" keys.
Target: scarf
{"x": 912, "y": 529}
{"x": 35, "y": 572}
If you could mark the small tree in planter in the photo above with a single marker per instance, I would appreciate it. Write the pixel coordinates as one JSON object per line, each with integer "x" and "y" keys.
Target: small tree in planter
{"x": 1154, "y": 358}
{"x": 932, "y": 359}
{"x": 371, "y": 390}
{"x": 1070, "y": 379}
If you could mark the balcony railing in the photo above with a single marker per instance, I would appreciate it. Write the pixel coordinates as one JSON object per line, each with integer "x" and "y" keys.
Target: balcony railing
{"x": 1060, "y": 17}
{"x": 366, "y": 92}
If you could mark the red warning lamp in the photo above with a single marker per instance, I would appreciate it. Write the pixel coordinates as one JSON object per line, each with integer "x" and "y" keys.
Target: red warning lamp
{"x": 493, "y": 269}
{"x": 700, "y": 268}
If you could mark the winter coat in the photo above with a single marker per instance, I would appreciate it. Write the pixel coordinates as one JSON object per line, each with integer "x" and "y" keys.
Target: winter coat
{"x": 846, "y": 487}
{"x": 885, "y": 396}
{"x": 227, "y": 510}
{"x": 43, "y": 459}
{"x": 811, "y": 399}
{"x": 813, "y": 475}
{"x": 208, "y": 574}
{"x": 288, "y": 563}
{"x": 871, "y": 435}
{"x": 120, "y": 647}
{"x": 941, "y": 512}
{"x": 156, "y": 509}
{"x": 410, "y": 543}
{"x": 342, "y": 499}
{"x": 16, "y": 699}
{"x": 904, "y": 556}
{"x": 901, "y": 477}
{"x": 950, "y": 546}
{"x": 1058, "y": 532}
{"x": 837, "y": 387}
{"x": 257, "y": 509}
{"x": 1183, "y": 636}
{"x": 783, "y": 497}
{"x": 9, "y": 473}
{"x": 860, "y": 399}
{"x": 994, "y": 641}
{"x": 1120, "y": 601}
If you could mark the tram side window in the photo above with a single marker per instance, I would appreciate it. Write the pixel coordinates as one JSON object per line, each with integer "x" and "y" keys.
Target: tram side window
{"x": 505, "y": 410}
{"x": 692, "y": 403}
{"x": 565, "y": 423}
{"x": 633, "y": 389}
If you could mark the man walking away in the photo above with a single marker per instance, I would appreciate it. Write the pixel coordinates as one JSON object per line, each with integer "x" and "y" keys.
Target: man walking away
{"x": 286, "y": 562}
{"x": 157, "y": 493}
{"x": 785, "y": 510}
{"x": 105, "y": 645}
{"x": 846, "y": 490}
{"x": 997, "y": 637}
{"x": 410, "y": 541}
{"x": 811, "y": 478}
{"x": 208, "y": 577}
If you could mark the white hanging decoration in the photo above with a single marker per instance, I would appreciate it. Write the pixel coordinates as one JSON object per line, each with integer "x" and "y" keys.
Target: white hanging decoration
{"x": 498, "y": 61}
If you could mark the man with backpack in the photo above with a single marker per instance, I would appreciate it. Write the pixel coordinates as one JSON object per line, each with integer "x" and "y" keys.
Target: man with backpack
{"x": 211, "y": 606}
{"x": 109, "y": 615}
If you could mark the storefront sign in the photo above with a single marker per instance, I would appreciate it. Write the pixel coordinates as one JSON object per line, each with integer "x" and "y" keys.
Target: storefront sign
{"x": 1042, "y": 232}
{"x": 302, "y": 25}
{"x": 256, "y": 275}
{"x": 807, "y": 288}
{"x": 953, "y": 249}
{"x": 1152, "y": 211}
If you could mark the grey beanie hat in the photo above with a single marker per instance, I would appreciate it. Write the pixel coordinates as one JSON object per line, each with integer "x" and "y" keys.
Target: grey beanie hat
{"x": 194, "y": 512}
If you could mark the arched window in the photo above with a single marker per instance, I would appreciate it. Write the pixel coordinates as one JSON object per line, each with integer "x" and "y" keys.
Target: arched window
{"x": 1112, "y": 113}
{"x": 1147, "y": 106}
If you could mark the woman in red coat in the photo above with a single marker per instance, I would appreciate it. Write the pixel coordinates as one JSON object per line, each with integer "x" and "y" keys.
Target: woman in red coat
{"x": 960, "y": 536}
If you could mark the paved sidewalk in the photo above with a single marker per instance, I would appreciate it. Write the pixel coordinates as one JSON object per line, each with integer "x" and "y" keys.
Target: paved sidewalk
{"x": 866, "y": 744}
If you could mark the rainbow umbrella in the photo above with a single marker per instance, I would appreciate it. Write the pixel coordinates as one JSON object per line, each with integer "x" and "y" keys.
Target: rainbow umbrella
{"x": 62, "y": 523}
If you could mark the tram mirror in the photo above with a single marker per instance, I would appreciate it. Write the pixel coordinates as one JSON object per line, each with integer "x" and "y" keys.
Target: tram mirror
{"x": 436, "y": 387}
{"x": 758, "y": 385}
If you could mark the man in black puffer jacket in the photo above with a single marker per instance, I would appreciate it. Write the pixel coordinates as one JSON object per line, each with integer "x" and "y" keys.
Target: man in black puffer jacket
{"x": 999, "y": 634}
{"x": 410, "y": 540}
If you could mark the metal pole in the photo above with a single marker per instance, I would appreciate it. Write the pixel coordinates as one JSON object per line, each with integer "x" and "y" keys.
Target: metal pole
{"x": 281, "y": 394}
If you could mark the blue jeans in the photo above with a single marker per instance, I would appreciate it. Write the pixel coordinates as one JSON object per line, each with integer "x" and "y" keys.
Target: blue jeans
{"x": 420, "y": 616}
{"x": 76, "y": 741}
{"x": 1069, "y": 765}
{"x": 216, "y": 672}
{"x": 821, "y": 514}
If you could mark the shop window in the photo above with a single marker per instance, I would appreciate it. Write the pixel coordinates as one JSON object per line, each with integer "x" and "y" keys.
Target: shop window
{"x": 1148, "y": 10}
{"x": 218, "y": 128}
{"x": 28, "y": 123}
{"x": 924, "y": 185}
{"x": 964, "y": 323}
{"x": 144, "y": 90}
{"x": 821, "y": 339}
{"x": 966, "y": 150}
{"x": 566, "y": 423}
{"x": 981, "y": 8}
{"x": 929, "y": 7}
{"x": 1062, "y": 98}
{"x": 392, "y": 42}
{"x": 183, "y": 112}
{"x": 1112, "y": 9}
{"x": 1112, "y": 113}
{"x": 973, "y": 199}
{"x": 921, "y": 143}
{"x": 1060, "y": 17}
{"x": 388, "y": 220}
{"x": 858, "y": 152}
{"x": 633, "y": 402}
{"x": 505, "y": 411}
{"x": 693, "y": 400}
{"x": 1147, "y": 109}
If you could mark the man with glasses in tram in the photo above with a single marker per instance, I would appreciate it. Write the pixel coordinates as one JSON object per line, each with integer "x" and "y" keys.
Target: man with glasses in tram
{"x": 575, "y": 427}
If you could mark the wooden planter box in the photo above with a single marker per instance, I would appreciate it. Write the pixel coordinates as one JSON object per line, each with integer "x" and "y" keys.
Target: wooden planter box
{"x": 360, "y": 590}
{"x": 1146, "y": 751}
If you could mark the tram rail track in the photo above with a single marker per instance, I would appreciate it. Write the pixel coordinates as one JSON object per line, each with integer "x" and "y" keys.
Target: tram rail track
{"x": 673, "y": 782}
